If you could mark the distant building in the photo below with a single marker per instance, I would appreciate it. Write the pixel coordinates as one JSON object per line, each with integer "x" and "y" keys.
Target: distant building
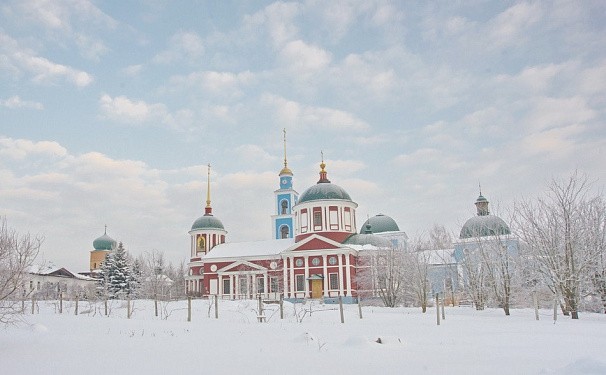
{"x": 49, "y": 281}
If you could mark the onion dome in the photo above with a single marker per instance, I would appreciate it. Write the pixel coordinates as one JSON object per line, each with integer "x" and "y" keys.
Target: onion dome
{"x": 207, "y": 222}
{"x": 380, "y": 223}
{"x": 104, "y": 242}
{"x": 324, "y": 189}
{"x": 367, "y": 238}
{"x": 484, "y": 224}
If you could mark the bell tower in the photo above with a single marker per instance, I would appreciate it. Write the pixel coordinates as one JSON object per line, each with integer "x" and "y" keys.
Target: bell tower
{"x": 285, "y": 198}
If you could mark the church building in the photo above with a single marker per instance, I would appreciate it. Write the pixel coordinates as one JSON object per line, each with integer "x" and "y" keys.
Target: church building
{"x": 314, "y": 252}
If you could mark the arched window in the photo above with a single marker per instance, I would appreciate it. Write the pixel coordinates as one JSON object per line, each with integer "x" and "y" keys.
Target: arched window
{"x": 284, "y": 231}
{"x": 284, "y": 205}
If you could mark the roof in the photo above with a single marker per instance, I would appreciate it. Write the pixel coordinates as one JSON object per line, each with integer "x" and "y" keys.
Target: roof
{"x": 57, "y": 272}
{"x": 380, "y": 223}
{"x": 207, "y": 222}
{"x": 367, "y": 239}
{"x": 323, "y": 191}
{"x": 104, "y": 242}
{"x": 252, "y": 248}
{"x": 484, "y": 225}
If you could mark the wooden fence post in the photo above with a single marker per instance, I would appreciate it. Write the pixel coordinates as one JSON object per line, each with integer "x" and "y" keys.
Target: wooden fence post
{"x": 437, "y": 309}
{"x": 536, "y": 304}
{"x": 189, "y": 308}
{"x": 60, "y": 302}
{"x": 216, "y": 307}
{"x": 341, "y": 308}
{"x": 128, "y": 310}
{"x": 281, "y": 306}
{"x": 443, "y": 301}
{"x": 360, "y": 306}
{"x": 76, "y": 309}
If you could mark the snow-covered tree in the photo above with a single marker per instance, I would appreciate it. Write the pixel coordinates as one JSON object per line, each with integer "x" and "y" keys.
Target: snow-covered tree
{"x": 17, "y": 254}
{"x": 115, "y": 273}
{"x": 562, "y": 241}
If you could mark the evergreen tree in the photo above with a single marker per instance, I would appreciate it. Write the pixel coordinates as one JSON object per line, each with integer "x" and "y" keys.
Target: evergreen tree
{"x": 119, "y": 272}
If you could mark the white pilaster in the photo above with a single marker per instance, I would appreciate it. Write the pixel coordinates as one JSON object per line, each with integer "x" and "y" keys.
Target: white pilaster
{"x": 340, "y": 263}
{"x": 325, "y": 275}
{"x": 306, "y": 260}
{"x": 347, "y": 275}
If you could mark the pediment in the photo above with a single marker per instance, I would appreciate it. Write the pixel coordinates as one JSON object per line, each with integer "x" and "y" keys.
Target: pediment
{"x": 315, "y": 242}
{"x": 242, "y": 265}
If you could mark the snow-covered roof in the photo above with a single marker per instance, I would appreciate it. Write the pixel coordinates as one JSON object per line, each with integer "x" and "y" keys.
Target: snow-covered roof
{"x": 252, "y": 249}
{"x": 51, "y": 270}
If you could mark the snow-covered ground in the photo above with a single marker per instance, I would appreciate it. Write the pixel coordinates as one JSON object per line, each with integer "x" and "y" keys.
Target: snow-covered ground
{"x": 467, "y": 342}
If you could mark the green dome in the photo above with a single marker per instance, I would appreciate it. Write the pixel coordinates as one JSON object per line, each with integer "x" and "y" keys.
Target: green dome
{"x": 380, "y": 223}
{"x": 484, "y": 225}
{"x": 104, "y": 242}
{"x": 367, "y": 239}
{"x": 207, "y": 222}
{"x": 322, "y": 191}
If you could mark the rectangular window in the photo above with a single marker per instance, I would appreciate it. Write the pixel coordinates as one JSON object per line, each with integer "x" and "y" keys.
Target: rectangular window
{"x": 38, "y": 286}
{"x": 333, "y": 217}
{"x": 226, "y": 286}
{"x": 300, "y": 283}
{"x": 334, "y": 281}
{"x": 31, "y": 285}
{"x": 273, "y": 285}
{"x": 260, "y": 285}
{"x": 317, "y": 218}
{"x": 304, "y": 220}
{"x": 347, "y": 219}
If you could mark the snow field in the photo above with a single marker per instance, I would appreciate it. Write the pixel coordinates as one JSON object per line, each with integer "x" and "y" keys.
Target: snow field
{"x": 467, "y": 342}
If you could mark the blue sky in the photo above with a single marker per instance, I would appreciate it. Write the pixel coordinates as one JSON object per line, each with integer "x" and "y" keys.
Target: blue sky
{"x": 110, "y": 111}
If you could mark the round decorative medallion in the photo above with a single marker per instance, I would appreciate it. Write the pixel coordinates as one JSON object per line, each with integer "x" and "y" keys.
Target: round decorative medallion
{"x": 273, "y": 265}
{"x": 201, "y": 271}
{"x": 315, "y": 261}
{"x": 213, "y": 267}
{"x": 332, "y": 261}
{"x": 299, "y": 262}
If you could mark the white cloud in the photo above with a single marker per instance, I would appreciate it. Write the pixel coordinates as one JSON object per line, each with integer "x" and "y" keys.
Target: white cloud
{"x": 123, "y": 109}
{"x": 183, "y": 46}
{"x": 510, "y": 26}
{"x": 302, "y": 58}
{"x": 547, "y": 112}
{"x": 320, "y": 118}
{"x": 24, "y": 148}
{"x": 16, "y": 102}
{"x": 278, "y": 19}
{"x": 43, "y": 70}
{"x": 224, "y": 84}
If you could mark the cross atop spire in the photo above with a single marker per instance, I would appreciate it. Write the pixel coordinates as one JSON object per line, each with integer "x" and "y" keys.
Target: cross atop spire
{"x": 105, "y": 232}
{"x": 323, "y": 174}
{"x": 285, "y": 170}
{"x": 208, "y": 211}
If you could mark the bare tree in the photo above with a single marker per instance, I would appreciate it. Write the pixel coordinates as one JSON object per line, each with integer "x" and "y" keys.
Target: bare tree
{"x": 17, "y": 254}
{"x": 555, "y": 229}
{"x": 381, "y": 274}
{"x": 417, "y": 265}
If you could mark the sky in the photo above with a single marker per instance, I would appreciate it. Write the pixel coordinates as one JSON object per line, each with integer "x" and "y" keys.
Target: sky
{"x": 110, "y": 112}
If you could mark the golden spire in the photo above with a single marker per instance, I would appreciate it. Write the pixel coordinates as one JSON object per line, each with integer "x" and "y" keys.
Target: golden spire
{"x": 208, "y": 209}
{"x": 285, "y": 170}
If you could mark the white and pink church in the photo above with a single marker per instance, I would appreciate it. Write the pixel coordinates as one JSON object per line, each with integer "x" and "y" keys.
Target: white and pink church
{"x": 315, "y": 251}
